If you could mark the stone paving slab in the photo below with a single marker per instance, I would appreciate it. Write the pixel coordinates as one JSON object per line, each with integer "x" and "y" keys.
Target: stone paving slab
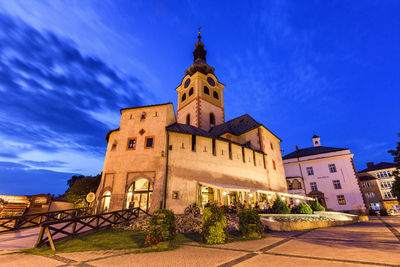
{"x": 14, "y": 260}
{"x": 358, "y": 251}
{"x": 252, "y": 245}
{"x": 184, "y": 256}
{"x": 263, "y": 260}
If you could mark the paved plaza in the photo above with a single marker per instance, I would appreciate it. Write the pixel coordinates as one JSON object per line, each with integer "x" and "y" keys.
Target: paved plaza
{"x": 374, "y": 243}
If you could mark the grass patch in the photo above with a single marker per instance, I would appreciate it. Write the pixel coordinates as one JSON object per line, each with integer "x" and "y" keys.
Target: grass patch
{"x": 115, "y": 239}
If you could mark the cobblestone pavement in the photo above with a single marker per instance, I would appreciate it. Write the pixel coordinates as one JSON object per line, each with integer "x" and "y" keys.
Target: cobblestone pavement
{"x": 374, "y": 243}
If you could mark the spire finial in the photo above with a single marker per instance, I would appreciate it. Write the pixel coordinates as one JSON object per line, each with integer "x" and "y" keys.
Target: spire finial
{"x": 199, "y": 32}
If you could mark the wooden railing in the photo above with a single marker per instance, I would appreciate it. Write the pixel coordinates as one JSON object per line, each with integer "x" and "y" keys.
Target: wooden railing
{"x": 64, "y": 229}
{"x": 36, "y": 219}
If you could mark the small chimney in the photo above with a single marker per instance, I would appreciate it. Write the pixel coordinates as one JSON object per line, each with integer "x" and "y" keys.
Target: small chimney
{"x": 316, "y": 140}
{"x": 370, "y": 164}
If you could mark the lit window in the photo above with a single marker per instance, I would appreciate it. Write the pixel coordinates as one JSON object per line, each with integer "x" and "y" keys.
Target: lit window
{"x": 341, "y": 200}
{"x": 206, "y": 90}
{"x": 336, "y": 184}
{"x": 149, "y": 142}
{"x": 366, "y": 185}
{"x": 183, "y": 97}
{"x": 370, "y": 195}
{"x": 131, "y": 143}
{"x": 332, "y": 168}
{"x": 191, "y": 91}
{"x": 388, "y": 194}
{"x": 216, "y": 96}
{"x": 313, "y": 186}
{"x": 310, "y": 171}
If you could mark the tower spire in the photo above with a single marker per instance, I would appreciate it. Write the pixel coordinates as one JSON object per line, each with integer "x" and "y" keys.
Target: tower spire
{"x": 199, "y": 58}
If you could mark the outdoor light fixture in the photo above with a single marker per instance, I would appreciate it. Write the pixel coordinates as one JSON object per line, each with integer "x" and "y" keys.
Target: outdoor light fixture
{"x": 224, "y": 193}
{"x": 251, "y": 195}
{"x": 297, "y": 200}
{"x": 269, "y": 197}
{"x": 283, "y": 198}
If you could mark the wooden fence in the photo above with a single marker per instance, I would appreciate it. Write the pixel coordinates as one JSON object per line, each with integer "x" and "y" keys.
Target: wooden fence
{"x": 36, "y": 219}
{"x": 64, "y": 229}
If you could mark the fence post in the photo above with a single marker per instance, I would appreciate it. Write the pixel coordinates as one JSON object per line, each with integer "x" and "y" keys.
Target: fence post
{"x": 53, "y": 247}
{"x": 40, "y": 236}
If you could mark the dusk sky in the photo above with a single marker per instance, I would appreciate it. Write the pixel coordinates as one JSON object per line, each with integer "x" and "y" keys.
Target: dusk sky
{"x": 299, "y": 67}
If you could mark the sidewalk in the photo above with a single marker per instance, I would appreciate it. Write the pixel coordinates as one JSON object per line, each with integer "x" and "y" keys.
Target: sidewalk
{"x": 365, "y": 244}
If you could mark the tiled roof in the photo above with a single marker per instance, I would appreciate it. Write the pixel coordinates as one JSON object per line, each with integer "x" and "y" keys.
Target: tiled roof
{"x": 189, "y": 129}
{"x": 366, "y": 178}
{"x": 304, "y": 152}
{"x": 380, "y": 166}
{"x": 236, "y": 126}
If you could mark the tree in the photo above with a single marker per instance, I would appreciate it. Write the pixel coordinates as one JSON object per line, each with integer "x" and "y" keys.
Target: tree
{"x": 396, "y": 173}
{"x": 79, "y": 187}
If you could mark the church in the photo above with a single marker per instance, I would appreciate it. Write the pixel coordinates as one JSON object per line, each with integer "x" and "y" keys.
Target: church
{"x": 161, "y": 159}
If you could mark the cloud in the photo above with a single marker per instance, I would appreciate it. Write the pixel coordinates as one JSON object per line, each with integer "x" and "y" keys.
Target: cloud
{"x": 53, "y": 97}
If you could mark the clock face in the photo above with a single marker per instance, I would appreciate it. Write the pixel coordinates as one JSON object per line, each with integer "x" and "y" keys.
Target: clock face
{"x": 210, "y": 81}
{"x": 187, "y": 82}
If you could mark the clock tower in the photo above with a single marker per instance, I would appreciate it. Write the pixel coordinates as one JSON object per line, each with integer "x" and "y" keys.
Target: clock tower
{"x": 200, "y": 95}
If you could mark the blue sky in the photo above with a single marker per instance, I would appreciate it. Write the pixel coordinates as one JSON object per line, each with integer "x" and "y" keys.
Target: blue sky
{"x": 299, "y": 67}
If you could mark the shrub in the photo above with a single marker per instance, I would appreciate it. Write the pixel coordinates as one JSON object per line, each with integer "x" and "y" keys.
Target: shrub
{"x": 304, "y": 208}
{"x": 280, "y": 207}
{"x": 162, "y": 227}
{"x": 214, "y": 225}
{"x": 250, "y": 223}
{"x": 315, "y": 206}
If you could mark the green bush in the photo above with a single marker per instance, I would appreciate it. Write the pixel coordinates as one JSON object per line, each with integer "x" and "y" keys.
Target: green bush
{"x": 250, "y": 223}
{"x": 162, "y": 227}
{"x": 280, "y": 207}
{"x": 304, "y": 208}
{"x": 315, "y": 206}
{"x": 214, "y": 225}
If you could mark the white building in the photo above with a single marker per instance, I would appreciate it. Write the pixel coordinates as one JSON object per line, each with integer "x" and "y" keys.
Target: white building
{"x": 326, "y": 173}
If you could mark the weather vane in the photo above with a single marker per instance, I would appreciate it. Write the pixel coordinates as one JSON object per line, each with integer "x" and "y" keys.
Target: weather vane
{"x": 199, "y": 32}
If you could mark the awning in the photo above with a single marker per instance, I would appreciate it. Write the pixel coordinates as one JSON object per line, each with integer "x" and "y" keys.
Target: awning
{"x": 226, "y": 187}
{"x": 295, "y": 196}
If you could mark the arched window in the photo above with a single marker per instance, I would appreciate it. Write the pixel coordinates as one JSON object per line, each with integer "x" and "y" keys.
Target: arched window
{"x": 206, "y": 90}
{"x": 216, "y": 96}
{"x": 191, "y": 91}
{"x": 139, "y": 195}
{"x": 183, "y": 97}
{"x": 105, "y": 206}
{"x": 188, "y": 119}
{"x": 212, "y": 120}
{"x": 296, "y": 184}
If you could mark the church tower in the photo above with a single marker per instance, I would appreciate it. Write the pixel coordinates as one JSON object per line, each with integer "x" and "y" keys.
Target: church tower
{"x": 200, "y": 95}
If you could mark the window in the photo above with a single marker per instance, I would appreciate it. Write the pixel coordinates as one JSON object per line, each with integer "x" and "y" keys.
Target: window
{"x": 272, "y": 147}
{"x": 370, "y": 195}
{"x": 310, "y": 171}
{"x": 366, "y": 185}
{"x": 216, "y": 96}
{"x": 212, "y": 120}
{"x": 139, "y": 195}
{"x": 383, "y": 174}
{"x": 188, "y": 119}
{"x": 296, "y": 184}
{"x": 254, "y": 158}
{"x": 313, "y": 186}
{"x": 230, "y": 150}
{"x": 114, "y": 146}
{"x": 183, "y": 97}
{"x": 191, "y": 91}
{"x": 289, "y": 185}
{"x": 244, "y": 160}
{"x": 143, "y": 116}
{"x": 214, "y": 150}
{"x": 149, "y": 142}
{"x": 273, "y": 164}
{"x": 388, "y": 194}
{"x": 206, "y": 90}
{"x": 336, "y": 184}
{"x": 332, "y": 168}
{"x": 193, "y": 142}
{"x": 341, "y": 200}
{"x": 386, "y": 184}
{"x": 132, "y": 143}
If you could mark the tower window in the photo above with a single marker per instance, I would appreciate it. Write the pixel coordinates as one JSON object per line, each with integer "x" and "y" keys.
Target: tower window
{"x": 273, "y": 164}
{"x": 212, "y": 120}
{"x": 149, "y": 142}
{"x": 187, "y": 82}
{"x": 210, "y": 81}
{"x": 193, "y": 142}
{"x": 206, "y": 90}
{"x": 191, "y": 91}
{"x": 132, "y": 143}
{"x": 183, "y": 97}
{"x": 216, "y": 96}
{"x": 188, "y": 119}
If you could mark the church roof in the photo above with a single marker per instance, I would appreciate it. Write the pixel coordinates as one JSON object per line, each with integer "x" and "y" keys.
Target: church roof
{"x": 199, "y": 60}
{"x": 236, "y": 126}
{"x": 189, "y": 129}
{"x": 309, "y": 151}
{"x": 379, "y": 166}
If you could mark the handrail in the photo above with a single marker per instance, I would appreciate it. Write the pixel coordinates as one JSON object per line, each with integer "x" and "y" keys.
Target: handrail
{"x": 67, "y": 228}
